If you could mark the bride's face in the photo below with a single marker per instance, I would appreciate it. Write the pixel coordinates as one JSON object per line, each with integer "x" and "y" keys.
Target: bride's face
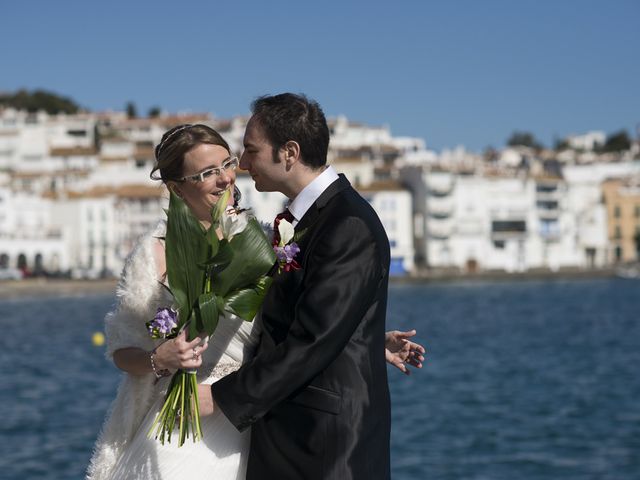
{"x": 208, "y": 171}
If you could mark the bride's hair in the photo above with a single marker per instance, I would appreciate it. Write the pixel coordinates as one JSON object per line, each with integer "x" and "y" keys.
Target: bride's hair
{"x": 175, "y": 144}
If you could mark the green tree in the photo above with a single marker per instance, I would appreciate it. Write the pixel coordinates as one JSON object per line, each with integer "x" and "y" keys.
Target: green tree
{"x": 616, "y": 142}
{"x": 561, "y": 144}
{"x": 154, "y": 112}
{"x": 524, "y": 139}
{"x": 39, "y": 100}
{"x": 132, "y": 111}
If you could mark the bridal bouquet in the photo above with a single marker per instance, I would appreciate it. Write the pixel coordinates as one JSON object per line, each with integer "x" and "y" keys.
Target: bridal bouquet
{"x": 207, "y": 277}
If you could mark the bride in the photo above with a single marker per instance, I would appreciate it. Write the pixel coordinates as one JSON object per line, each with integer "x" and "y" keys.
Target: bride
{"x": 195, "y": 162}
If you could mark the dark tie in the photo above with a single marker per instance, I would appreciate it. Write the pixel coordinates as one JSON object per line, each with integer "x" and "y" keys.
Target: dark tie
{"x": 276, "y": 233}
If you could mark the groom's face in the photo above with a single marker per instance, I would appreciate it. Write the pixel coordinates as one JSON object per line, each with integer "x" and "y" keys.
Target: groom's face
{"x": 267, "y": 172}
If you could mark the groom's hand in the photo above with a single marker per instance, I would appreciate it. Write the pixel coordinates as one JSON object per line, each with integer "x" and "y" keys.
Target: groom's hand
{"x": 400, "y": 351}
{"x": 205, "y": 400}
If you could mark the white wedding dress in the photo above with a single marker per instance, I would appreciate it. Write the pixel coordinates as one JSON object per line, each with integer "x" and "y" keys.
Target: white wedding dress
{"x": 123, "y": 450}
{"x": 222, "y": 452}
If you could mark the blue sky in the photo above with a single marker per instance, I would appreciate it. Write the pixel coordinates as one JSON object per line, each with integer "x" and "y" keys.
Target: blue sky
{"x": 455, "y": 72}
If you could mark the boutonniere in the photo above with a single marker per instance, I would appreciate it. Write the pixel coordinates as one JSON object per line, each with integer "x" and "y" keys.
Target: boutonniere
{"x": 287, "y": 249}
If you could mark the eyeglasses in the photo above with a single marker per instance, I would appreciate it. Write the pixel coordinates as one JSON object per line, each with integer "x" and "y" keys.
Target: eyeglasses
{"x": 230, "y": 165}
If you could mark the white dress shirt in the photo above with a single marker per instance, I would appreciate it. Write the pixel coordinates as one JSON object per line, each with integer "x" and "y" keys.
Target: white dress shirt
{"x": 309, "y": 194}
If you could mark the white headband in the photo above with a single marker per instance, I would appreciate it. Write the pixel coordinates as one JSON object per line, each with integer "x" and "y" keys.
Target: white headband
{"x": 183, "y": 127}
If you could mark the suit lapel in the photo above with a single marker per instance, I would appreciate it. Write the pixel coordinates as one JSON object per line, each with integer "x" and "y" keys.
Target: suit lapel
{"x": 277, "y": 309}
{"x": 331, "y": 191}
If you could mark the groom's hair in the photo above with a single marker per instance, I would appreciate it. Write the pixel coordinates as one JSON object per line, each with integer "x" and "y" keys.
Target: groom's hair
{"x": 288, "y": 116}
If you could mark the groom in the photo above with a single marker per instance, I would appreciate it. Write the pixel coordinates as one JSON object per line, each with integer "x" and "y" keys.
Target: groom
{"x": 316, "y": 393}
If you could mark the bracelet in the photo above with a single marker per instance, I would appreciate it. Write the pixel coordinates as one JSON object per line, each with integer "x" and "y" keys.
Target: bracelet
{"x": 158, "y": 373}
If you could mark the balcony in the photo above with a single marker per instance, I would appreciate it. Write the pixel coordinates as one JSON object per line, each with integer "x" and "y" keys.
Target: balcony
{"x": 548, "y": 191}
{"x": 439, "y": 192}
{"x": 439, "y": 230}
{"x": 439, "y": 184}
{"x": 548, "y": 209}
{"x": 437, "y": 215}
{"x": 508, "y": 229}
{"x": 440, "y": 207}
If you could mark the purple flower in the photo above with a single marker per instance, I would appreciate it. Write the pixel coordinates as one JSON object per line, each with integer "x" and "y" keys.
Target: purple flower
{"x": 287, "y": 253}
{"x": 164, "y": 321}
{"x": 286, "y": 257}
{"x": 291, "y": 251}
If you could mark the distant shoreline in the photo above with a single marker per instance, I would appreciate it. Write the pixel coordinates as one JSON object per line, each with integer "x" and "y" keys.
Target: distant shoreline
{"x": 47, "y": 288}
{"x": 489, "y": 276}
{"x": 41, "y": 287}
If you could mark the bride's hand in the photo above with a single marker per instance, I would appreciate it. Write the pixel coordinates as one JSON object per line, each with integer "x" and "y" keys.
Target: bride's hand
{"x": 178, "y": 353}
{"x": 400, "y": 352}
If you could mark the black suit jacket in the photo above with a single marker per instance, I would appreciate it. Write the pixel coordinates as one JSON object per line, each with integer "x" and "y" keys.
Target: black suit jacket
{"x": 316, "y": 393}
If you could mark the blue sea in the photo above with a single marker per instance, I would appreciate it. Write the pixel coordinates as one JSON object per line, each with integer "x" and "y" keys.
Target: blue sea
{"x": 524, "y": 380}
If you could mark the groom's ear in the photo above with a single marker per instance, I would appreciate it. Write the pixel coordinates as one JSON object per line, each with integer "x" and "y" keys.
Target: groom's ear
{"x": 291, "y": 153}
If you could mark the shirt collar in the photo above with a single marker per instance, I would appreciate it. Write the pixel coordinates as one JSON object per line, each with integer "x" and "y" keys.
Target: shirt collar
{"x": 311, "y": 192}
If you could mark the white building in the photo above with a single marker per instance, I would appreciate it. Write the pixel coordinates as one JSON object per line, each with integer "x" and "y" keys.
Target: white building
{"x": 588, "y": 141}
{"x": 584, "y": 201}
{"x": 87, "y": 226}
{"x": 38, "y": 142}
{"x": 472, "y": 222}
{"x": 392, "y": 203}
{"x": 28, "y": 240}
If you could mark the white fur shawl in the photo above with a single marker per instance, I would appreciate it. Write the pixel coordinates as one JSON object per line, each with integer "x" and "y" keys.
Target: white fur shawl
{"x": 139, "y": 294}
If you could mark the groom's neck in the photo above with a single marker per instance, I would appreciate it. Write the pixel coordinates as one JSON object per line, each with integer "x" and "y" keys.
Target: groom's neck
{"x": 300, "y": 179}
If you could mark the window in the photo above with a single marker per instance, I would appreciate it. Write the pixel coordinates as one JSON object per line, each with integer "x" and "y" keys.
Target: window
{"x": 546, "y": 188}
{"x": 77, "y": 133}
{"x": 618, "y": 233}
{"x": 508, "y": 226}
{"x": 549, "y": 228}
{"x": 616, "y": 211}
{"x": 547, "y": 204}
{"x": 499, "y": 244}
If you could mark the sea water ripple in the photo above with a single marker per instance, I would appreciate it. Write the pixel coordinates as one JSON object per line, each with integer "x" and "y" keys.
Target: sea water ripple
{"x": 524, "y": 380}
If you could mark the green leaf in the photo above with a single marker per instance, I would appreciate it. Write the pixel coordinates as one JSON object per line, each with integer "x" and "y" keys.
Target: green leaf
{"x": 219, "y": 207}
{"x": 246, "y": 302}
{"x": 223, "y": 257}
{"x": 192, "y": 328}
{"x": 208, "y": 307}
{"x": 214, "y": 241}
{"x": 243, "y": 271}
{"x": 186, "y": 249}
{"x": 298, "y": 235}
